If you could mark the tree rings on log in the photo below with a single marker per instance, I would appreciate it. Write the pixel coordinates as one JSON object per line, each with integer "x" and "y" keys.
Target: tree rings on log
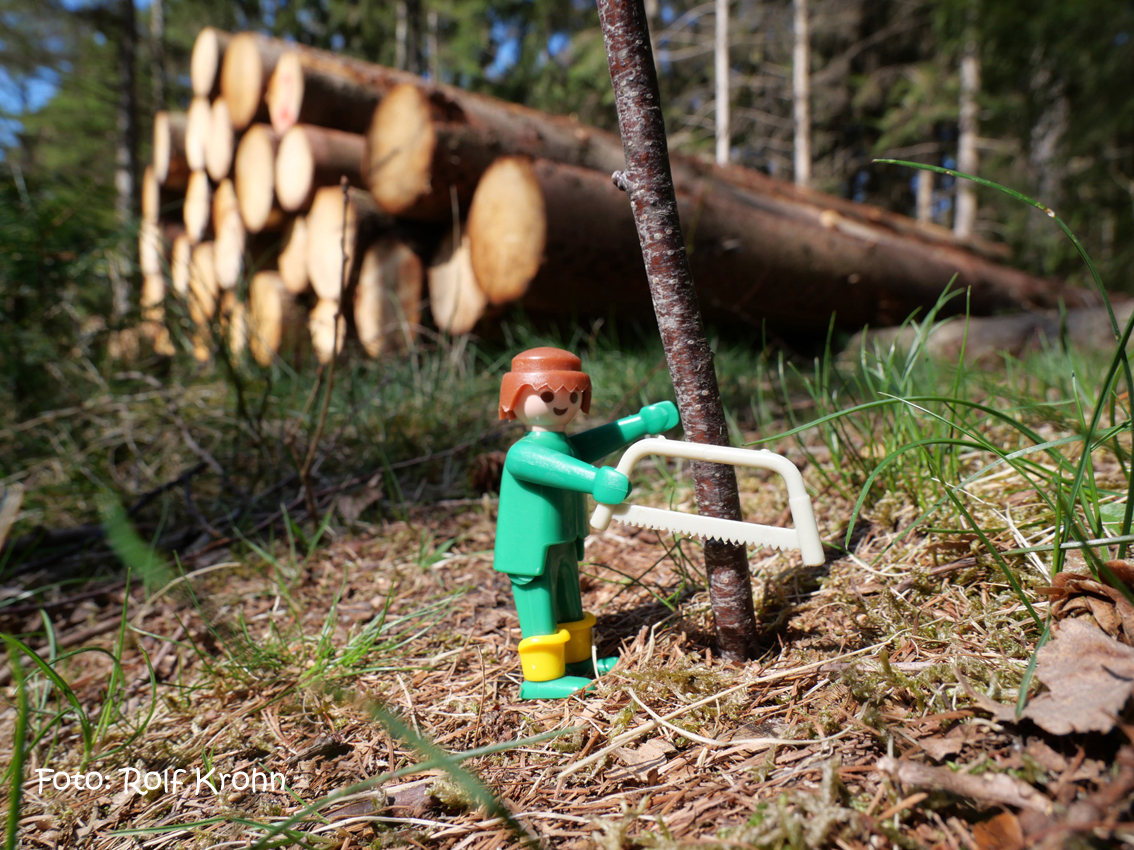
{"x": 331, "y": 256}
{"x": 198, "y": 206}
{"x": 220, "y": 142}
{"x": 228, "y": 246}
{"x": 255, "y": 175}
{"x": 248, "y": 64}
{"x": 197, "y": 121}
{"x": 276, "y": 319}
{"x": 328, "y": 329}
{"x": 455, "y": 299}
{"x": 293, "y": 256}
{"x": 507, "y": 228}
{"x": 205, "y": 61}
{"x": 387, "y": 297}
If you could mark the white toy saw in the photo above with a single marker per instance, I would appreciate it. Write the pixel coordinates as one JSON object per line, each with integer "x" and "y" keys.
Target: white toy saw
{"x": 804, "y": 537}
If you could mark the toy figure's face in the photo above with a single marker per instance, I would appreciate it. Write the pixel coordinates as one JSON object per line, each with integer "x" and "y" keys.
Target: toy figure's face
{"x": 544, "y": 410}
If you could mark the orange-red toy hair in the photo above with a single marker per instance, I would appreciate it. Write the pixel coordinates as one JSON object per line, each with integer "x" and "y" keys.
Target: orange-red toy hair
{"x": 543, "y": 369}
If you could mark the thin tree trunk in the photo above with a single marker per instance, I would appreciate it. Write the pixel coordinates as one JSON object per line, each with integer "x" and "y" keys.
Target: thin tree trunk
{"x": 964, "y": 221}
{"x": 925, "y": 196}
{"x": 721, "y": 69}
{"x": 801, "y": 93}
{"x": 126, "y": 153}
{"x": 650, "y": 186}
{"x": 157, "y": 52}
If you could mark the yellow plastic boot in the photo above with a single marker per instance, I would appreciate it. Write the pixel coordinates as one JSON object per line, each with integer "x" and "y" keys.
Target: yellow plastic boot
{"x": 577, "y": 653}
{"x": 542, "y": 659}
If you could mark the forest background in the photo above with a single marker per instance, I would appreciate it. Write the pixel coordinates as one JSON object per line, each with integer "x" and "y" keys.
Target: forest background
{"x": 80, "y": 80}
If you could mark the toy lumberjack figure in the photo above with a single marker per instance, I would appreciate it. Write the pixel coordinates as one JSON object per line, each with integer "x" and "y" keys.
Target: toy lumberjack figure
{"x": 542, "y": 521}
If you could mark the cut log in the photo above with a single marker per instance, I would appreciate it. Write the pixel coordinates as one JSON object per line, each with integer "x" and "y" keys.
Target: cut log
{"x": 228, "y": 247}
{"x": 179, "y": 259}
{"x": 220, "y": 142}
{"x": 158, "y": 201}
{"x": 468, "y": 131}
{"x": 248, "y": 64}
{"x": 237, "y": 327}
{"x": 387, "y": 297}
{"x": 204, "y": 292}
{"x": 276, "y": 320}
{"x": 153, "y": 326}
{"x": 311, "y": 86}
{"x": 507, "y": 229}
{"x": 418, "y": 164}
{"x": 988, "y": 339}
{"x": 197, "y": 121}
{"x": 311, "y": 157}
{"x": 153, "y": 245}
{"x": 256, "y": 178}
{"x": 328, "y": 330}
{"x": 205, "y": 61}
{"x": 293, "y": 256}
{"x": 204, "y": 295}
{"x": 455, "y": 299}
{"x": 741, "y": 254}
{"x": 331, "y": 258}
{"x": 170, "y": 164}
{"x": 197, "y": 212}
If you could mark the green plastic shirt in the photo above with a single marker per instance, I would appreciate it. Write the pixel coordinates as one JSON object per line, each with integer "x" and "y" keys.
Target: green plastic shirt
{"x": 546, "y": 475}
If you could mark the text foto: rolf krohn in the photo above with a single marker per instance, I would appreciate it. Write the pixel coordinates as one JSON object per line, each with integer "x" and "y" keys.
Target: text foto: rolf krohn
{"x": 168, "y": 780}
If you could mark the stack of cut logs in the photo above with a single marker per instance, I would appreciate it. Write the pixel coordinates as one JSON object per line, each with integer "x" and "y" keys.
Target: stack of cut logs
{"x": 306, "y": 198}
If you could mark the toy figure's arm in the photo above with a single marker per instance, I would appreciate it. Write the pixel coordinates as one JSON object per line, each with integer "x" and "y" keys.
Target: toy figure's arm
{"x": 555, "y": 469}
{"x": 599, "y": 442}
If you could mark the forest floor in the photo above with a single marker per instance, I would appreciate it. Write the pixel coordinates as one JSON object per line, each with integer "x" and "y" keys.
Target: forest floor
{"x": 882, "y": 712}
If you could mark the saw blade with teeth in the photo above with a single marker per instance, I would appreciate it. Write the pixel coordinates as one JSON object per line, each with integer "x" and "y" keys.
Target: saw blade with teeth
{"x": 707, "y": 528}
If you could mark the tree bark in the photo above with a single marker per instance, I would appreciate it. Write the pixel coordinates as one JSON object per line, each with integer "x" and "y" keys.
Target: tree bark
{"x": 205, "y": 61}
{"x": 925, "y": 196}
{"x": 126, "y": 153}
{"x": 801, "y": 93}
{"x": 964, "y": 219}
{"x": 157, "y": 52}
{"x": 255, "y": 179}
{"x": 721, "y": 68}
{"x": 311, "y": 157}
{"x": 653, "y": 199}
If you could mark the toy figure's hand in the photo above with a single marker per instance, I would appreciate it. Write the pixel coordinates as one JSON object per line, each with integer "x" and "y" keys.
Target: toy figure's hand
{"x": 659, "y": 417}
{"x": 611, "y": 486}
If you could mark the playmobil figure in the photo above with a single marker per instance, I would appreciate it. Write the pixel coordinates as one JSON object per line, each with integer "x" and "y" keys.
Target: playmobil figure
{"x": 543, "y": 521}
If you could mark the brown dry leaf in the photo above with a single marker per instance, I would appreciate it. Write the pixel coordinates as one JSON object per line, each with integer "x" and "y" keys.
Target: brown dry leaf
{"x": 1002, "y": 832}
{"x": 644, "y": 762}
{"x": 1090, "y": 677}
{"x": 1076, "y": 592}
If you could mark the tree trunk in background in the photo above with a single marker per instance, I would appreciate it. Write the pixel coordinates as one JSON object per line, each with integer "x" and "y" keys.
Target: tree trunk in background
{"x": 722, "y": 65}
{"x": 925, "y": 196}
{"x": 652, "y": 196}
{"x": 431, "y": 46}
{"x": 964, "y": 221}
{"x": 157, "y": 52}
{"x": 408, "y": 33}
{"x": 126, "y": 152}
{"x": 1046, "y": 164}
{"x": 801, "y": 93}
